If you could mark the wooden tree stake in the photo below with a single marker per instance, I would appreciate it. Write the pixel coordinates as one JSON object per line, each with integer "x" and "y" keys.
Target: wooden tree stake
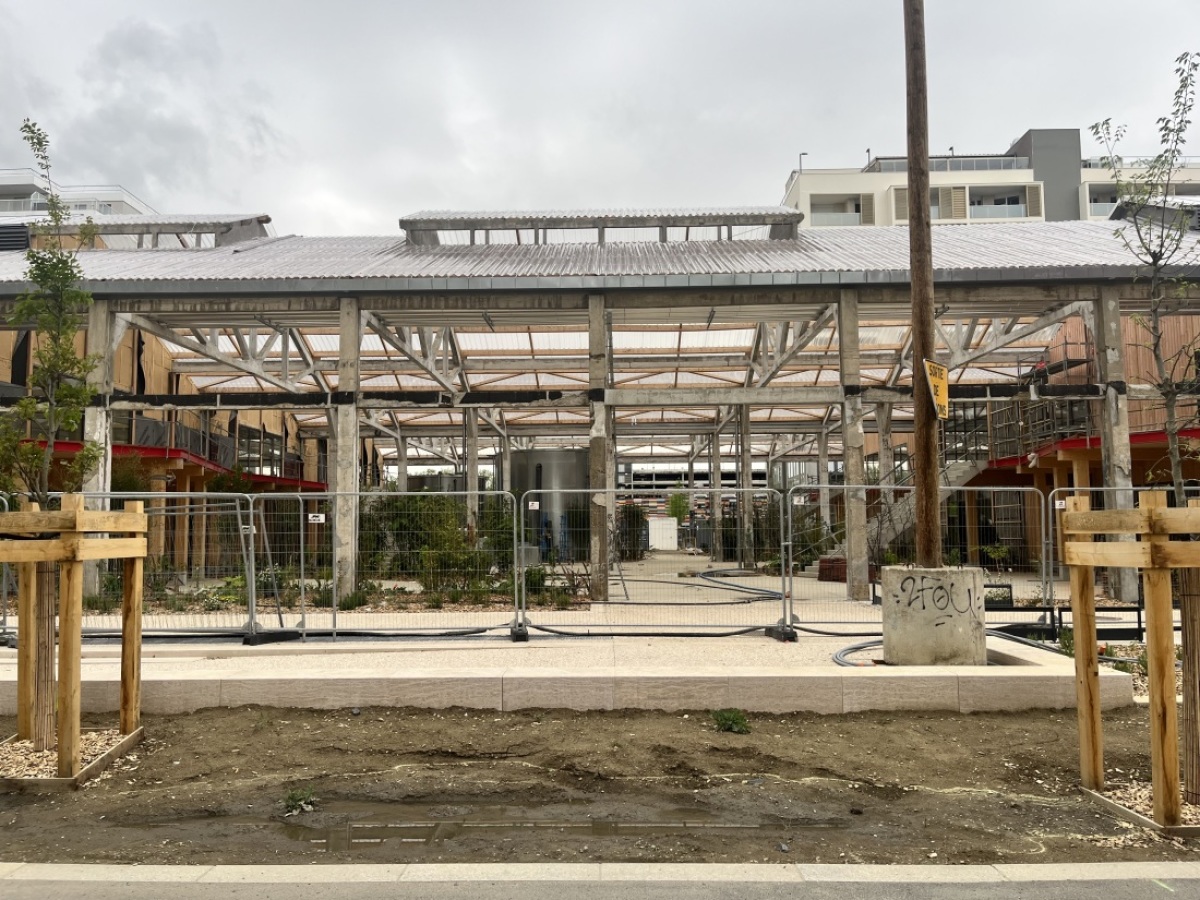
{"x": 1160, "y": 653}
{"x": 131, "y": 639}
{"x": 1087, "y": 665}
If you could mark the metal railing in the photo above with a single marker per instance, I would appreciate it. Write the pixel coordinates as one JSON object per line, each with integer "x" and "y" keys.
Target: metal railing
{"x": 836, "y": 218}
{"x": 1009, "y": 211}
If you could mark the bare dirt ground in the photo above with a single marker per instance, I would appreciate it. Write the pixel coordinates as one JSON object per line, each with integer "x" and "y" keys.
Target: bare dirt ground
{"x": 455, "y": 786}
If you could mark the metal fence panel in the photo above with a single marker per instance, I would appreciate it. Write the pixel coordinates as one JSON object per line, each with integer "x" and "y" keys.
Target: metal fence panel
{"x": 673, "y": 562}
{"x": 1001, "y": 530}
{"x": 424, "y": 564}
{"x": 195, "y": 577}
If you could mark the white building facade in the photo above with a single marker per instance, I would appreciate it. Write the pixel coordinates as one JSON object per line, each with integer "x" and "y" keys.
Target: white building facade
{"x": 1041, "y": 177}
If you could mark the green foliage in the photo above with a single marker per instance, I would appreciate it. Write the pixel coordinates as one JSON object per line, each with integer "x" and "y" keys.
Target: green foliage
{"x": 678, "y": 507}
{"x": 353, "y": 600}
{"x": 1159, "y": 239}
{"x": 1066, "y": 641}
{"x": 631, "y": 526}
{"x": 997, "y": 553}
{"x": 101, "y": 603}
{"x": 235, "y": 481}
{"x": 299, "y": 800}
{"x": 129, "y": 476}
{"x": 732, "y": 720}
{"x": 535, "y": 580}
{"x": 58, "y": 385}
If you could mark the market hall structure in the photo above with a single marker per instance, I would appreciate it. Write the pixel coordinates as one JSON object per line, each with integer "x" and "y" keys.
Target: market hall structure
{"x": 690, "y": 341}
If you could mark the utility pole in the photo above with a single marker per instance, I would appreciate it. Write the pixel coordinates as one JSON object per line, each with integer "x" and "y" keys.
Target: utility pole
{"x": 920, "y": 243}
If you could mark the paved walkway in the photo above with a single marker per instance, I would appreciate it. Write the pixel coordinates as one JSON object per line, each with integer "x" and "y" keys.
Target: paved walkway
{"x": 547, "y": 881}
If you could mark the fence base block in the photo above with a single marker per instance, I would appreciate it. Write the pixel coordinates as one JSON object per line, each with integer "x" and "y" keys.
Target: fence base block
{"x": 519, "y": 632}
{"x": 270, "y": 637}
{"x": 783, "y": 633}
{"x": 933, "y": 617}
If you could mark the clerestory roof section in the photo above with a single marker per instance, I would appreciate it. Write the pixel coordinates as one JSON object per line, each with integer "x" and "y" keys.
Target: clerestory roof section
{"x": 456, "y": 220}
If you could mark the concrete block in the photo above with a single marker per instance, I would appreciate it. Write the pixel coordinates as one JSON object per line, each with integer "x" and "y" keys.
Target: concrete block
{"x": 1116, "y": 689}
{"x": 344, "y": 874}
{"x": 668, "y": 692}
{"x": 550, "y": 689}
{"x": 931, "y": 874}
{"x": 85, "y": 873}
{"x": 895, "y": 689}
{"x": 101, "y": 696}
{"x": 1000, "y": 690}
{"x": 435, "y": 689}
{"x": 715, "y": 873}
{"x": 933, "y": 617}
{"x": 1099, "y": 871}
{"x": 503, "y": 872}
{"x": 799, "y": 690}
{"x": 181, "y": 696}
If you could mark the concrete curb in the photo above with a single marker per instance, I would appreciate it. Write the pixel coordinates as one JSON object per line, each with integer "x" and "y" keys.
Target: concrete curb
{"x": 603, "y": 872}
{"x": 815, "y": 689}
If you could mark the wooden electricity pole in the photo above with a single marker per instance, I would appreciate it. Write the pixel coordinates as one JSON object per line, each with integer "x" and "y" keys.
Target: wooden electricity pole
{"x": 920, "y": 243}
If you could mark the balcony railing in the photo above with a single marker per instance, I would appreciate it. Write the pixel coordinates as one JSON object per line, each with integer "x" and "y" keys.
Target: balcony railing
{"x": 1014, "y": 211}
{"x": 11, "y": 206}
{"x": 836, "y": 218}
{"x": 1101, "y": 209}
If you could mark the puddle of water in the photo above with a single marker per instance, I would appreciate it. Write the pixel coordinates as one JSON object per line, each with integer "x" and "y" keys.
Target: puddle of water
{"x": 433, "y": 825}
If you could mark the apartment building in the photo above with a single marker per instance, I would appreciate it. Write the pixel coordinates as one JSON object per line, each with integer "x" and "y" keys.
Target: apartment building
{"x": 1043, "y": 176}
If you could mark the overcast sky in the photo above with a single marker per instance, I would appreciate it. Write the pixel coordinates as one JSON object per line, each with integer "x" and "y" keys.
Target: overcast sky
{"x": 337, "y": 118}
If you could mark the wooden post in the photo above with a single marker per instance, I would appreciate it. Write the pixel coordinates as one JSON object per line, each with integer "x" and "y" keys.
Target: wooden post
{"x": 1087, "y": 665}
{"x": 70, "y": 641}
{"x": 131, "y": 640}
{"x": 920, "y": 250}
{"x": 1189, "y": 619}
{"x": 26, "y": 648}
{"x": 1160, "y": 653}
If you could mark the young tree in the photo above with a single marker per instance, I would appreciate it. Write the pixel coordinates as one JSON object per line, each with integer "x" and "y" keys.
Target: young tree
{"x": 1156, "y": 231}
{"x": 58, "y": 394}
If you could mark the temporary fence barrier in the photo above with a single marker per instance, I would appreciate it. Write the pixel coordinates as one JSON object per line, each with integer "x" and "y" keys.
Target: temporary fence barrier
{"x": 197, "y": 576}
{"x": 425, "y": 563}
{"x": 1001, "y": 530}
{"x": 680, "y": 562}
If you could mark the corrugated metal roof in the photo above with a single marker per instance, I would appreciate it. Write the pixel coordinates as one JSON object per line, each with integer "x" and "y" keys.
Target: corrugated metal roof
{"x": 390, "y": 263}
{"x": 188, "y": 221}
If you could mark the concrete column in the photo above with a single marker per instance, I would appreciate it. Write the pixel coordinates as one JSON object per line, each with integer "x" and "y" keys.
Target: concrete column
{"x": 858, "y": 585}
{"x": 471, "y": 481}
{"x": 714, "y": 483}
{"x": 182, "y": 525}
{"x": 1114, "y": 422}
{"x": 101, "y": 336}
{"x": 506, "y": 479}
{"x": 823, "y": 479}
{"x": 402, "y": 464}
{"x": 745, "y": 495}
{"x": 346, "y": 476}
{"x": 613, "y": 461}
{"x": 887, "y": 456}
{"x": 691, "y": 476}
{"x": 600, "y": 456}
{"x": 199, "y": 536}
{"x": 971, "y": 557}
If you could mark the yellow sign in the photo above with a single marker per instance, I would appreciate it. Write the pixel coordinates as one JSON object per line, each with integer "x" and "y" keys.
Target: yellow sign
{"x": 939, "y": 388}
